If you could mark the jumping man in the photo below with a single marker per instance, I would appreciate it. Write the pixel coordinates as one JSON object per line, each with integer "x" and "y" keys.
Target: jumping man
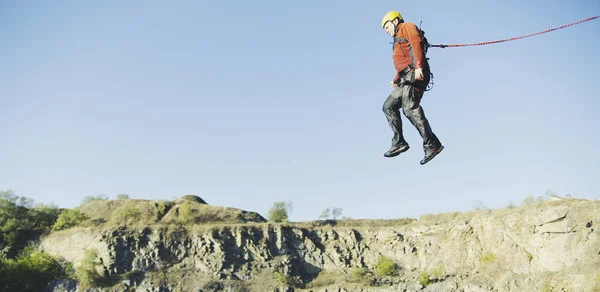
{"x": 412, "y": 78}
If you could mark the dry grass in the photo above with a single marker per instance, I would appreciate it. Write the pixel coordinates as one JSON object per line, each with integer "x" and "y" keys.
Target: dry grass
{"x": 354, "y": 223}
{"x": 144, "y": 213}
{"x": 107, "y": 213}
{"x": 194, "y": 215}
{"x": 448, "y": 217}
{"x": 511, "y": 209}
{"x": 201, "y": 214}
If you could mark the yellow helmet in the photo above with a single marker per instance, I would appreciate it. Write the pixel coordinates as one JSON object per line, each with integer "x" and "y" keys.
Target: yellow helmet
{"x": 390, "y": 16}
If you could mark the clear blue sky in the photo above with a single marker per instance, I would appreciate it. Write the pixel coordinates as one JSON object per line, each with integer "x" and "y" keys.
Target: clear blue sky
{"x": 249, "y": 102}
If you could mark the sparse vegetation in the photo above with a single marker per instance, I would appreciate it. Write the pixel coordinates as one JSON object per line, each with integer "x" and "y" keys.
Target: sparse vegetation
{"x": 546, "y": 287}
{"x": 86, "y": 272}
{"x": 386, "y": 267}
{"x": 324, "y": 279}
{"x": 356, "y": 223}
{"x": 446, "y": 217}
{"x": 112, "y": 213}
{"x": 479, "y": 206}
{"x": 216, "y": 285}
{"x": 438, "y": 272}
{"x": 20, "y": 218}
{"x": 287, "y": 280}
{"x": 528, "y": 200}
{"x": 361, "y": 275}
{"x": 128, "y": 214}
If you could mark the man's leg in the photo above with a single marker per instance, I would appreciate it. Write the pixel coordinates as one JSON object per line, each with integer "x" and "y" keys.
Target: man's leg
{"x": 411, "y": 105}
{"x": 391, "y": 109}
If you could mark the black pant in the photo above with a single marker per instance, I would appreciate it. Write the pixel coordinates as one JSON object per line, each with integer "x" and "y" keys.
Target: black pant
{"x": 407, "y": 95}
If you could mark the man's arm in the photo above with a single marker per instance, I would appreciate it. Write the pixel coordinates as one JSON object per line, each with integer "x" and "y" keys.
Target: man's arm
{"x": 414, "y": 39}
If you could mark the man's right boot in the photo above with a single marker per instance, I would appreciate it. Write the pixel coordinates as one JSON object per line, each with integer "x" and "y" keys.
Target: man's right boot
{"x": 396, "y": 150}
{"x": 431, "y": 152}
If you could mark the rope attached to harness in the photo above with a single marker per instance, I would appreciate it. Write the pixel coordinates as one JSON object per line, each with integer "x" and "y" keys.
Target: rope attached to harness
{"x": 514, "y": 38}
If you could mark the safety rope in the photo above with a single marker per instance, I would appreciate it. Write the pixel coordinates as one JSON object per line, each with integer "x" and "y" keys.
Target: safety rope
{"x": 514, "y": 38}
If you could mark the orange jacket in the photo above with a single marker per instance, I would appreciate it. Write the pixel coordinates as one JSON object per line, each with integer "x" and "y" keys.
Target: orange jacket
{"x": 403, "y": 51}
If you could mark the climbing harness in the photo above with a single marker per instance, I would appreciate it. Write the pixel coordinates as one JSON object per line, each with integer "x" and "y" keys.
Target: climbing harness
{"x": 425, "y": 45}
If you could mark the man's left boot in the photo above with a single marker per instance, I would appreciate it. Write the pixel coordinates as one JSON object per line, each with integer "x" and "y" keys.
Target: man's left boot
{"x": 396, "y": 150}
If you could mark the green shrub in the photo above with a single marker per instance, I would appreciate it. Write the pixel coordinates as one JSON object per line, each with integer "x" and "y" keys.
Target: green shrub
{"x": 185, "y": 216}
{"x": 128, "y": 214}
{"x": 32, "y": 270}
{"x": 86, "y": 272}
{"x": 69, "y": 218}
{"x": 424, "y": 279}
{"x": 386, "y": 267}
{"x": 21, "y": 222}
{"x": 123, "y": 196}
{"x": 163, "y": 207}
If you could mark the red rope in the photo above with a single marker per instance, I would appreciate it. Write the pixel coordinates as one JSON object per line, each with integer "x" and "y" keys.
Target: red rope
{"x": 515, "y": 38}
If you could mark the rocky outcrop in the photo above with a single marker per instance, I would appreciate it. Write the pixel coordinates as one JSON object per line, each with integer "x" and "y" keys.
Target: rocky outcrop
{"x": 551, "y": 245}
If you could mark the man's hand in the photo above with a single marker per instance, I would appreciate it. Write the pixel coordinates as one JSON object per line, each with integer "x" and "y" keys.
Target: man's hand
{"x": 393, "y": 85}
{"x": 419, "y": 74}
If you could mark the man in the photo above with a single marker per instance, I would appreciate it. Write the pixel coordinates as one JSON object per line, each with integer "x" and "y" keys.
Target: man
{"x": 408, "y": 86}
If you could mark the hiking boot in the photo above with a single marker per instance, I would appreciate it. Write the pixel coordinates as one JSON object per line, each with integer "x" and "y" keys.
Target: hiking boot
{"x": 395, "y": 150}
{"x": 431, "y": 152}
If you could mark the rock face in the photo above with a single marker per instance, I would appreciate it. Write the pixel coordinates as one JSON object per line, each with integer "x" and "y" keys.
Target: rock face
{"x": 550, "y": 246}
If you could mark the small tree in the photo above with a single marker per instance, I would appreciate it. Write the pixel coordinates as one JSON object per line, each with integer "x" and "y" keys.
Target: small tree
{"x": 325, "y": 214}
{"x": 337, "y": 212}
{"x": 122, "y": 196}
{"x": 279, "y": 211}
{"x": 100, "y": 197}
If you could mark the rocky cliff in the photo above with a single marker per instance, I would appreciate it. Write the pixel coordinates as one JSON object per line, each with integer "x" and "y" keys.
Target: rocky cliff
{"x": 543, "y": 246}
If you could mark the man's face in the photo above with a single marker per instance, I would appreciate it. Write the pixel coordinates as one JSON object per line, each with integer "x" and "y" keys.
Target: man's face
{"x": 390, "y": 26}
